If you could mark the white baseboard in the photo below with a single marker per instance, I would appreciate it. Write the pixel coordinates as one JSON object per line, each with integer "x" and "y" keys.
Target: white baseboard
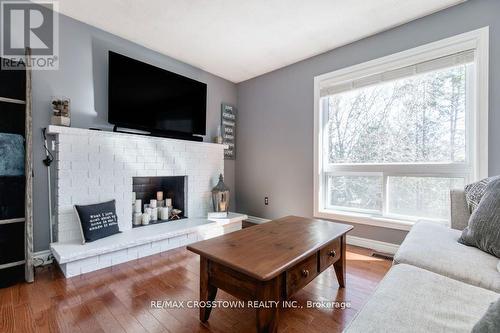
{"x": 372, "y": 244}
{"x": 256, "y": 220}
{"x": 42, "y": 258}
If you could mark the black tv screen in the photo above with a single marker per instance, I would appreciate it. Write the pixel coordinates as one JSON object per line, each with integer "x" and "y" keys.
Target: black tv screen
{"x": 145, "y": 97}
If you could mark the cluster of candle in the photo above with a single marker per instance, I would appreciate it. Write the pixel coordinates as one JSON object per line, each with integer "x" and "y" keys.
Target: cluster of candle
{"x": 157, "y": 209}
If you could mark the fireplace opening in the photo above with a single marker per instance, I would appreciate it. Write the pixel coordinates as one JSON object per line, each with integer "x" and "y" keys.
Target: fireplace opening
{"x": 158, "y": 199}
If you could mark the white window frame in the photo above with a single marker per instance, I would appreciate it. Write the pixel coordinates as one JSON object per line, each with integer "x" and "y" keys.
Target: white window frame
{"x": 477, "y": 123}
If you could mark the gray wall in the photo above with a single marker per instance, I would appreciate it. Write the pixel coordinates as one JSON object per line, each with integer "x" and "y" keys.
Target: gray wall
{"x": 82, "y": 76}
{"x": 275, "y": 133}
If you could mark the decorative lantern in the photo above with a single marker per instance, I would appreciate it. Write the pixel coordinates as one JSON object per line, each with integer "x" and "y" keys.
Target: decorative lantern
{"x": 220, "y": 196}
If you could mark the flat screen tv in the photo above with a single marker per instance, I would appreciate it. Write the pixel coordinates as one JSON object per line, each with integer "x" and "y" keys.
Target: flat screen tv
{"x": 148, "y": 98}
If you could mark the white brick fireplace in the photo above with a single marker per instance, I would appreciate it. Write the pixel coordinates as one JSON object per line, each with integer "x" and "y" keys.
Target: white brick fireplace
{"x": 94, "y": 166}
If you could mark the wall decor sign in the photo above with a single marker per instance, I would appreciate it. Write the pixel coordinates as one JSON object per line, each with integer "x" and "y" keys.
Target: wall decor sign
{"x": 228, "y": 129}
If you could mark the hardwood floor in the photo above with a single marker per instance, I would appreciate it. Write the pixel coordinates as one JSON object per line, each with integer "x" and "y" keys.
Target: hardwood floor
{"x": 118, "y": 299}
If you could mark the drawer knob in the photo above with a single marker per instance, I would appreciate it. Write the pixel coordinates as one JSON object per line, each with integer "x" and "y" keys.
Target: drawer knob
{"x": 305, "y": 273}
{"x": 332, "y": 253}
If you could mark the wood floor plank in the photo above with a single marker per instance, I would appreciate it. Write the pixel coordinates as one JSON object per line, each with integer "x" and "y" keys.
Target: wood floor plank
{"x": 120, "y": 313}
{"x": 6, "y": 296}
{"x": 85, "y": 320}
{"x": 45, "y": 321}
{"x": 61, "y": 314}
{"x": 19, "y": 294}
{"x": 23, "y": 318}
{"x": 104, "y": 317}
{"x": 118, "y": 299}
{"x": 6, "y": 318}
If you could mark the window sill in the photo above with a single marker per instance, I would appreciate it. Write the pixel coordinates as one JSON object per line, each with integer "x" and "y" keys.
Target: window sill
{"x": 366, "y": 219}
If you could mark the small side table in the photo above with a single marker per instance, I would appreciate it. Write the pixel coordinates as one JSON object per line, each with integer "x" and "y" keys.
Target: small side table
{"x": 232, "y": 222}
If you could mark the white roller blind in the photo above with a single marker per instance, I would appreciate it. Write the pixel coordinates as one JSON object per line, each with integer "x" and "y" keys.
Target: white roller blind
{"x": 452, "y": 60}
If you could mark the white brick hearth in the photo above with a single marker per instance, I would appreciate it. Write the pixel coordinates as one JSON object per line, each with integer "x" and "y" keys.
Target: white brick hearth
{"x": 94, "y": 166}
{"x": 75, "y": 258}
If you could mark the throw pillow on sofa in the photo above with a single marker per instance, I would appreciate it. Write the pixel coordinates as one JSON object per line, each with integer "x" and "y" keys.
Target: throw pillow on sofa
{"x": 490, "y": 321}
{"x": 97, "y": 221}
{"x": 475, "y": 191}
{"x": 483, "y": 230}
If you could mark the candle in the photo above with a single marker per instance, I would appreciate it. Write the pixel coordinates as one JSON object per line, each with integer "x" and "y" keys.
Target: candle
{"x": 168, "y": 202}
{"x": 154, "y": 214}
{"x": 137, "y": 219}
{"x": 159, "y": 195}
{"x": 145, "y": 219}
{"x": 152, "y": 203}
{"x": 138, "y": 206}
{"x": 164, "y": 213}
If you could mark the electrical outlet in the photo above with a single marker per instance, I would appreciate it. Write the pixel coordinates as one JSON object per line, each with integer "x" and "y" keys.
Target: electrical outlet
{"x": 266, "y": 201}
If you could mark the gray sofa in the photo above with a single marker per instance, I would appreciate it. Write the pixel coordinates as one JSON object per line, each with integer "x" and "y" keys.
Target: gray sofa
{"x": 436, "y": 284}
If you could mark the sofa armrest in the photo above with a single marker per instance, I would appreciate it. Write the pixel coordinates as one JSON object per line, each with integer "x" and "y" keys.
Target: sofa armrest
{"x": 460, "y": 213}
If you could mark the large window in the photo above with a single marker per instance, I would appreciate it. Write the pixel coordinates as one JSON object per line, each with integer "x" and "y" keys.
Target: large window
{"x": 393, "y": 138}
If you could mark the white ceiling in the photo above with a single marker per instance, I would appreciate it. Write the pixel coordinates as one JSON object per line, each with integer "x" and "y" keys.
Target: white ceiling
{"x": 241, "y": 39}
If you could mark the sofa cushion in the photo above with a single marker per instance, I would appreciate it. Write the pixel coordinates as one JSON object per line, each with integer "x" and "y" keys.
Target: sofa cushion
{"x": 490, "y": 321}
{"x": 475, "y": 191}
{"x": 483, "y": 230}
{"x": 460, "y": 212}
{"x": 410, "y": 299}
{"x": 436, "y": 248}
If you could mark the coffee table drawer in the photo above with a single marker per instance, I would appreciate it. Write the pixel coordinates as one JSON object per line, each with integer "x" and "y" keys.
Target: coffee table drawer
{"x": 329, "y": 254}
{"x": 301, "y": 274}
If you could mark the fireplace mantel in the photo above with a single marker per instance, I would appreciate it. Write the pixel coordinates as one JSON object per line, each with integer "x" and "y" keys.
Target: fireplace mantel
{"x": 54, "y": 130}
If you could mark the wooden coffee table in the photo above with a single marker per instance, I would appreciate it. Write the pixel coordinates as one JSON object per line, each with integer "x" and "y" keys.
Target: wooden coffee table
{"x": 270, "y": 262}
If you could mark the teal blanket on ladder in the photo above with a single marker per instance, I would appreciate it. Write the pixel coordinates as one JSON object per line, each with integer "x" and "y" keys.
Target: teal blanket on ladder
{"x": 11, "y": 154}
